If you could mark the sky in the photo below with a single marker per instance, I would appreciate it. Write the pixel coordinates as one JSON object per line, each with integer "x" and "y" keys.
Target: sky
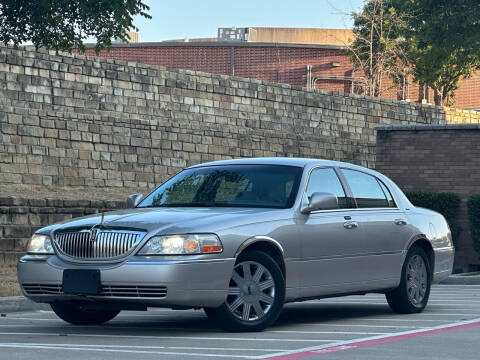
{"x": 179, "y": 19}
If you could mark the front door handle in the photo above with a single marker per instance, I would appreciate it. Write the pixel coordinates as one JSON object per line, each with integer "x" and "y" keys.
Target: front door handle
{"x": 350, "y": 224}
{"x": 400, "y": 222}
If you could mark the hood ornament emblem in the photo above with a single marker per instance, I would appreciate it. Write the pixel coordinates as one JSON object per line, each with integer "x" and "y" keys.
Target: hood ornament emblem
{"x": 94, "y": 231}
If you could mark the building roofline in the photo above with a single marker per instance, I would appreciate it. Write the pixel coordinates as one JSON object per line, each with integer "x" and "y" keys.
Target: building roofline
{"x": 222, "y": 44}
{"x": 428, "y": 127}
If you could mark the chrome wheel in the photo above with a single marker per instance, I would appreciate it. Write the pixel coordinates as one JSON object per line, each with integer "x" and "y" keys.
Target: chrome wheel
{"x": 417, "y": 280}
{"x": 251, "y": 291}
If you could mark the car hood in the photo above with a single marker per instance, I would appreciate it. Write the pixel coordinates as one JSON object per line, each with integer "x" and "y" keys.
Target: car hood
{"x": 168, "y": 220}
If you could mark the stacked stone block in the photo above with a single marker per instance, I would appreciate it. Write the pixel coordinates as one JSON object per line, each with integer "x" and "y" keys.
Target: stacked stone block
{"x": 21, "y": 217}
{"x": 75, "y": 120}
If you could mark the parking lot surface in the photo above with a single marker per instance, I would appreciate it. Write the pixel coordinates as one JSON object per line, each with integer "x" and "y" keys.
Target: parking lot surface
{"x": 358, "y": 327}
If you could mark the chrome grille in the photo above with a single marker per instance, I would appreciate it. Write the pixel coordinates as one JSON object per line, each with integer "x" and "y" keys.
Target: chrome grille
{"x": 107, "y": 290}
{"x": 97, "y": 244}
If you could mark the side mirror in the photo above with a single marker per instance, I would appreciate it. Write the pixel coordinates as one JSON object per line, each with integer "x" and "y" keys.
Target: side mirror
{"x": 133, "y": 200}
{"x": 320, "y": 201}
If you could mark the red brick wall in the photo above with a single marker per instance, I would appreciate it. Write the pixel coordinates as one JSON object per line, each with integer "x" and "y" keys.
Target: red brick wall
{"x": 277, "y": 64}
{"x": 445, "y": 159}
{"x": 283, "y": 64}
{"x": 289, "y": 65}
{"x": 211, "y": 59}
{"x": 468, "y": 93}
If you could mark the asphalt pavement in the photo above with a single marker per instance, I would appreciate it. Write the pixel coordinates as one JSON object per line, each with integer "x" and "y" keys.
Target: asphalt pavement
{"x": 354, "y": 327}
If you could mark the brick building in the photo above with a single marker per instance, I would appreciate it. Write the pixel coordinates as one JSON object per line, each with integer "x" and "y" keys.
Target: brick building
{"x": 305, "y": 57}
{"x": 444, "y": 158}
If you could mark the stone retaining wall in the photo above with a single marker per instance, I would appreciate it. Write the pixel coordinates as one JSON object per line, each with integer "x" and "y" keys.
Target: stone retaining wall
{"x": 20, "y": 218}
{"x": 73, "y": 120}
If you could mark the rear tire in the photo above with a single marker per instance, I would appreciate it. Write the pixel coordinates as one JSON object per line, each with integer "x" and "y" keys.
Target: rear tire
{"x": 412, "y": 294}
{"x": 75, "y": 314}
{"x": 256, "y": 294}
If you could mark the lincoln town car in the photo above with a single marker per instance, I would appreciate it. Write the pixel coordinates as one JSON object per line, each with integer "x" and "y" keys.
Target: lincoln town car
{"x": 240, "y": 238}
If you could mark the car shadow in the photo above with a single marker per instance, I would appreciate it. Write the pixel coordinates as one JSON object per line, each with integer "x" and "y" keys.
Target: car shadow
{"x": 316, "y": 312}
{"x": 188, "y": 322}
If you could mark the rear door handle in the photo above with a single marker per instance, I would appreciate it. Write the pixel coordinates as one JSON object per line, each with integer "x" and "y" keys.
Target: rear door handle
{"x": 400, "y": 222}
{"x": 350, "y": 224}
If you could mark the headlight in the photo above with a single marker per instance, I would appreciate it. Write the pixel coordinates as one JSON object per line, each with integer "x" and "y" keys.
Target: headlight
{"x": 182, "y": 245}
{"x": 40, "y": 244}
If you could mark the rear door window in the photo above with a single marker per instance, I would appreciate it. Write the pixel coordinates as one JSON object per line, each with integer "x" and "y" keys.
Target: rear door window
{"x": 366, "y": 189}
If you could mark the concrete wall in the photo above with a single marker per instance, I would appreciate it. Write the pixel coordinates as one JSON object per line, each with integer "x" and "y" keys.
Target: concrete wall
{"x": 300, "y": 35}
{"x": 436, "y": 158}
{"x": 80, "y": 121}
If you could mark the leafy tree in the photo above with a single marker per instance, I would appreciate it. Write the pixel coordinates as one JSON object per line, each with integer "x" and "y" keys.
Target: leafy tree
{"x": 378, "y": 47}
{"x": 473, "y": 206}
{"x": 64, "y": 24}
{"x": 443, "y": 38}
{"x": 446, "y": 203}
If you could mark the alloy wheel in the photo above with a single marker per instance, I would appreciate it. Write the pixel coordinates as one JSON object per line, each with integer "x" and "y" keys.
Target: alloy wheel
{"x": 251, "y": 291}
{"x": 416, "y": 279}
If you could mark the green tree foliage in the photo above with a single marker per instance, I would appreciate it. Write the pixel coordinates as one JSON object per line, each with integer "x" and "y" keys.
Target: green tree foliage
{"x": 447, "y": 204}
{"x": 378, "y": 47}
{"x": 64, "y": 24}
{"x": 443, "y": 38}
{"x": 473, "y": 206}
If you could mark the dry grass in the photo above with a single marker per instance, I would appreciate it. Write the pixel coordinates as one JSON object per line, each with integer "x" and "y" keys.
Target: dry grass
{"x": 8, "y": 280}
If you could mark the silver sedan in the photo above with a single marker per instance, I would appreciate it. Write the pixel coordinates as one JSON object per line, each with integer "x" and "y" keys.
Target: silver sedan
{"x": 240, "y": 238}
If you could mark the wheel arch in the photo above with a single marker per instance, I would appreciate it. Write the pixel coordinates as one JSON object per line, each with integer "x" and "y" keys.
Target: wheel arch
{"x": 425, "y": 245}
{"x": 266, "y": 244}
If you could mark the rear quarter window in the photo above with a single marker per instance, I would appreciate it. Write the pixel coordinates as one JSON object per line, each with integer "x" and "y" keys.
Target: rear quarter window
{"x": 366, "y": 189}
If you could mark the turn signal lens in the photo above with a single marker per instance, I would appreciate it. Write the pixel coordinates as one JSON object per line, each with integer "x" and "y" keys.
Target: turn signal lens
{"x": 211, "y": 249}
{"x": 182, "y": 245}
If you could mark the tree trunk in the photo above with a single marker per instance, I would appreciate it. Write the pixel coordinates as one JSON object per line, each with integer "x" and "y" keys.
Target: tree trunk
{"x": 437, "y": 97}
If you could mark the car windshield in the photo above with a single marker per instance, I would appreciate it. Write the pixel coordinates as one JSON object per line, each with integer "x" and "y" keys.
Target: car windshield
{"x": 265, "y": 186}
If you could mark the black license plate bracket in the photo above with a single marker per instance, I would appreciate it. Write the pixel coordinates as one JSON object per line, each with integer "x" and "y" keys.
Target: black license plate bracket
{"x": 81, "y": 282}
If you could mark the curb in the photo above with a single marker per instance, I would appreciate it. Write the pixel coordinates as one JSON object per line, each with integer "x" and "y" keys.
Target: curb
{"x": 19, "y": 303}
{"x": 463, "y": 279}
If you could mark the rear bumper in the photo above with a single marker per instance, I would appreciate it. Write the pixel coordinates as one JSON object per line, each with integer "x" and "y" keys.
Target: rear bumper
{"x": 202, "y": 283}
{"x": 443, "y": 263}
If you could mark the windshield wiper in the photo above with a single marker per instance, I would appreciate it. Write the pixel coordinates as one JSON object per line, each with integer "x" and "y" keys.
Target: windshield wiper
{"x": 184, "y": 205}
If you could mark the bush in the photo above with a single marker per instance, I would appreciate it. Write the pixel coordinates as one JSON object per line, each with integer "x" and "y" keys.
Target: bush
{"x": 445, "y": 203}
{"x": 473, "y": 206}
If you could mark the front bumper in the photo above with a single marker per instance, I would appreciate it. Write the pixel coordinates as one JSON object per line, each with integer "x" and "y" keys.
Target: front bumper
{"x": 190, "y": 283}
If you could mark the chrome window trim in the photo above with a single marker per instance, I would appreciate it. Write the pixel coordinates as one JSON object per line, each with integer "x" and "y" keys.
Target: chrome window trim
{"x": 386, "y": 187}
{"x": 348, "y": 192}
{"x": 354, "y": 209}
{"x": 376, "y": 178}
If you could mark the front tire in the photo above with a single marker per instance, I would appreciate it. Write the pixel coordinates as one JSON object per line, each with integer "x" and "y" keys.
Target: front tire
{"x": 255, "y": 297}
{"x": 75, "y": 314}
{"x": 412, "y": 294}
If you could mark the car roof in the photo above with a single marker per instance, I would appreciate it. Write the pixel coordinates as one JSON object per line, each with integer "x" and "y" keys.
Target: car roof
{"x": 300, "y": 162}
